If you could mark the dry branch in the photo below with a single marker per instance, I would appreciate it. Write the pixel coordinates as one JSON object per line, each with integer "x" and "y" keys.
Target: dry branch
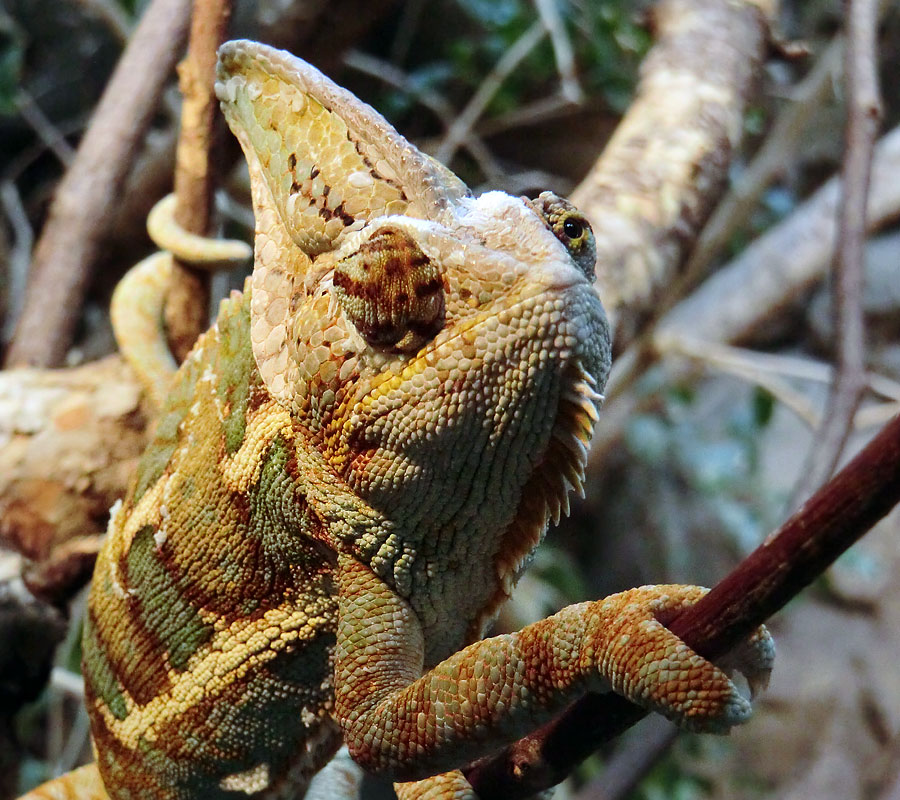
{"x": 69, "y": 439}
{"x": 782, "y": 142}
{"x": 863, "y": 118}
{"x": 87, "y": 194}
{"x": 756, "y": 286}
{"x": 187, "y": 301}
{"x": 782, "y": 263}
{"x": 665, "y": 167}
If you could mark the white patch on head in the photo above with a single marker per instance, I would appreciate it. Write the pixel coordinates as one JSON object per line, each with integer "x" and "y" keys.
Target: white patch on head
{"x": 249, "y": 781}
{"x": 507, "y": 224}
{"x": 499, "y": 218}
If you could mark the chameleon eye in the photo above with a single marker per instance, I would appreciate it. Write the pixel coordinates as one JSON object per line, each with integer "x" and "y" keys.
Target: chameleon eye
{"x": 572, "y": 228}
{"x": 391, "y": 291}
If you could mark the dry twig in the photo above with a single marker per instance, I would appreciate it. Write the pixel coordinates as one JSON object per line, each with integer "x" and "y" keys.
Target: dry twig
{"x": 627, "y": 767}
{"x": 863, "y": 117}
{"x": 47, "y": 132}
{"x": 85, "y": 198}
{"x": 187, "y": 301}
{"x": 467, "y": 118}
{"x": 562, "y": 49}
{"x": 434, "y": 101}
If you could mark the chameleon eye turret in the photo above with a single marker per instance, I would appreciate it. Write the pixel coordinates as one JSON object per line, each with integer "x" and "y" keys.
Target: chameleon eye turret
{"x": 570, "y": 226}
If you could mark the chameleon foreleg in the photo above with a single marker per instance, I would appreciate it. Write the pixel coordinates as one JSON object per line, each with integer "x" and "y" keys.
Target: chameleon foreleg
{"x": 409, "y": 725}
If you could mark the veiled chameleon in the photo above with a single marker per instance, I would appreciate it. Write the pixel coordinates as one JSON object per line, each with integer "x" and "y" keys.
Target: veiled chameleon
{"x": 349, "y": 474}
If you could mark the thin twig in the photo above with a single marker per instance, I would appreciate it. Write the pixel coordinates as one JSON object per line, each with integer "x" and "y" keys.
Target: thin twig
{"x": 113, "y": 15}
{"x": 627, "y": 767}
{"x": 83, "y": 207}
{"x": 47, "y": 132}
{"x": 863, "y": 118}
{"x": 741, "y": 364}
{"x": 20, "y": 254}
{"x": 187, "y": 301}
{"x": 466, "y": 120}
{"x": 562, "y": 49}
{"x": 543, "y": 109}
{"x": 406, "y": 28}
{"x": 434, "y": 101}
{"x": 767, "y": 369}
{"x": 861, "y": 494}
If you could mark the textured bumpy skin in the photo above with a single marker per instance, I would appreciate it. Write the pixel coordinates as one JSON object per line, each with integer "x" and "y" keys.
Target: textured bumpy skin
{"x": 350, "y": 472}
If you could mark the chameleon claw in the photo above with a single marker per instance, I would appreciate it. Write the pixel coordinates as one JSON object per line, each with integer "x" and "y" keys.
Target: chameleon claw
{"x": 652, "y": 667}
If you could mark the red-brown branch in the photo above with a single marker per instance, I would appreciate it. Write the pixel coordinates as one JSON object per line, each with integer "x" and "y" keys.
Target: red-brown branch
{"x": 838, "y": 514}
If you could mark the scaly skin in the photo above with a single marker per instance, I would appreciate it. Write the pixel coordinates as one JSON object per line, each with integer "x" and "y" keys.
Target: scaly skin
{"x": 349, "y": 474}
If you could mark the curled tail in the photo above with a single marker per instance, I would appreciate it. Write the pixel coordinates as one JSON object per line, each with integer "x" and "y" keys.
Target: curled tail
{"x": 138, "y": 301}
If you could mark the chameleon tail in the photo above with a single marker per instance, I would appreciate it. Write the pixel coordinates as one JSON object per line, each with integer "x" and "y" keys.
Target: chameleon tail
{"x": 138, "y": 301}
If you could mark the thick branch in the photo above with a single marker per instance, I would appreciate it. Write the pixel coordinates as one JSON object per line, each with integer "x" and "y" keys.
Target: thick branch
{"x": 664, "y": 169}
{"x": 69, "y": 439}
{"x": 863, "y": 117}
{"x": 782, "y": 142}
{"x": 783, "y": 262}
{"x": 187, "y": 301}
{"x": 87, "y": 194}
{"x": 830, "y": 522}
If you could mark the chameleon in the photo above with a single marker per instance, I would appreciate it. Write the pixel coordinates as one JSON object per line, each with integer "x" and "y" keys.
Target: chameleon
{"x": 350, "y": 472}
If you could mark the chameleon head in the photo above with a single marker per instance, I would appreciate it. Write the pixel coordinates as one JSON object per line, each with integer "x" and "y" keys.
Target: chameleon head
{"x": 391, "y": 308}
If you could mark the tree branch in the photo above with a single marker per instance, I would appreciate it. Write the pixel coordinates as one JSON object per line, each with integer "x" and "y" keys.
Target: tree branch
{"x": 742, "y": 296}
{"x": 187, "y": 300}
{"x": 85, "y": 198}
{"x": 863, "y": 118}
{"x": 788, "y": 560}
{"x": 665, "y": 167}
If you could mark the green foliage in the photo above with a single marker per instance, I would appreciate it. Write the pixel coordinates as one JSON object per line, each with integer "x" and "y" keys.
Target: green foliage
{"x": 12, "y": 51}
{"x": 606, "y": 40}
{"x": 610, "y": 43}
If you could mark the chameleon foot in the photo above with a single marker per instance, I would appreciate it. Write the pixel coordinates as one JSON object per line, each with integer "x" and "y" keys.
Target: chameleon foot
{"x": 638, "y": 657}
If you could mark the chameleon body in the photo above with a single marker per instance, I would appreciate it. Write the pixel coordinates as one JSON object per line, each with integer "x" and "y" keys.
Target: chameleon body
{"x": 348, "y": 475}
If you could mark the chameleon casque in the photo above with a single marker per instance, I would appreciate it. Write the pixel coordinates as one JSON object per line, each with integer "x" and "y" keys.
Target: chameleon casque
{"x": 350, "y": 472}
